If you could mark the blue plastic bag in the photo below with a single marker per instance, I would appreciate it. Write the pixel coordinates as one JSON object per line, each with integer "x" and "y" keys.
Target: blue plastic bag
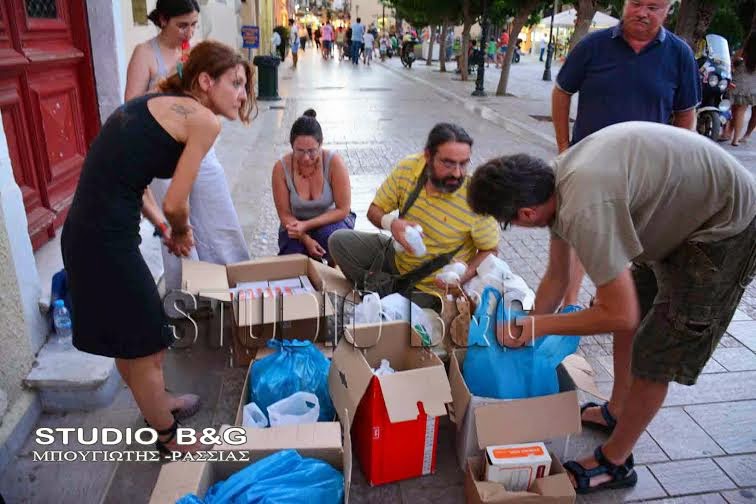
{"x": 282, "y": 478}
{"x": 494, "y": 371}
{"x": 297, "y": 366}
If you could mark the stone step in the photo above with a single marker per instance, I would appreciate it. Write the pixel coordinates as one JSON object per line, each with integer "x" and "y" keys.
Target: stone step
{"x": 69, "y": 380}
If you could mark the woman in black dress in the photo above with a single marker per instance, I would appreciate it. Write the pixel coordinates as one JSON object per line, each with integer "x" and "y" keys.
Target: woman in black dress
{"x": 116, "y": 309}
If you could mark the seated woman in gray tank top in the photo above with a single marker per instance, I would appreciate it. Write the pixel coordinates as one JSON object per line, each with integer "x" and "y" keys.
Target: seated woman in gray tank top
{"x": 311, "y": 191}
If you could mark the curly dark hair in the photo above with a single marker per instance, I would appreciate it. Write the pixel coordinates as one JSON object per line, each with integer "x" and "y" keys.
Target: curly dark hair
{"x": 500, "y": 187}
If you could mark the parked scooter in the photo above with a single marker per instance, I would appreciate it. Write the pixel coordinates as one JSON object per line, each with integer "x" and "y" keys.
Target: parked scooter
{"x": 716, "y": 76}
{"x": 408, "y": 52}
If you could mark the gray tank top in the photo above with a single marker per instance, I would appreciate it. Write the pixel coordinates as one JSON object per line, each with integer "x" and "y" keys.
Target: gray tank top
{"x": 162, "y": 70}
{"x": 307, "y": 209}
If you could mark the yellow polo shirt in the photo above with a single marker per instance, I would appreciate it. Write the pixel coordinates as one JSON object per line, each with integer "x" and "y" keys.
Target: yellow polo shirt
{"x": 446, "y": 219}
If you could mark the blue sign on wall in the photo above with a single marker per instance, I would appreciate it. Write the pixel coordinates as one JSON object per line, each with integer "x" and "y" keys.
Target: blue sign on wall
{"x": 251, "y": 37}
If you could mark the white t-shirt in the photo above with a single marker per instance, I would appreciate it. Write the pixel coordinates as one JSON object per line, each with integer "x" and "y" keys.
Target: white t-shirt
{"x": 368, "y": 40}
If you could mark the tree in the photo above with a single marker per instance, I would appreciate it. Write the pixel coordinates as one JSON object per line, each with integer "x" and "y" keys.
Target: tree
{"x": 693, "y": 19}
{"x": 428, "y": 12}
{"x": 525, "y": 12}
{"x": 431, "y": 41}
{"x": 442, "y": 49}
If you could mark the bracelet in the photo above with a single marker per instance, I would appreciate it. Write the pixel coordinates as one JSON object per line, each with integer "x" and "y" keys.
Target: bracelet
{"x": 386, "y": 221}
{"x": 161, "y": 229}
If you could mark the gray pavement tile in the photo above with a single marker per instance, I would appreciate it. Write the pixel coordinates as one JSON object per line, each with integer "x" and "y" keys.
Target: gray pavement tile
{"x": 601, "y": 374}
{"x": 691, "y": 476}
{"x": 740, "y": 316}
{"x": 731, "y": 424}
{"x": 745, "y": 332}
{"x": 231, "y": 389}
{"x": 710, "y": 498}
{"x": 728, "y": 341}
{"x": 87, "y": 420}
{"x": 646, "y": 488}
{"x": 742, "y": 496}
{"x": 132, "y": 482}
{"x": 740, "y": 468}
{"x": 736, "y": 359}
{"x": 714, "y": 366}
{"x": 718, "y": 387}
{"x": 666, "y": 428}
{"x": 595, "y": 350}
{"x": 27, "y": 481}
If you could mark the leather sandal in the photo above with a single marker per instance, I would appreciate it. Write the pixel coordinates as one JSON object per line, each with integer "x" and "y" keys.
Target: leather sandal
{"x": 194, "y": 403}
{"x": 623, "y": 475}
{"x": 161, "y": 445}
{"x": 611, "y": 422}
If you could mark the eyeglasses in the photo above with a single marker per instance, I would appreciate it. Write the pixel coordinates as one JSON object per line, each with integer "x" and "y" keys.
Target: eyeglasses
{"x": 310, "y": 153}
{"x": 451, "y": 165}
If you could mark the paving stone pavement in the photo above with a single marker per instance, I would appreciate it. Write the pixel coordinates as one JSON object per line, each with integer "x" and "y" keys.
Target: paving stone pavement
{"x": 700, "y": 449}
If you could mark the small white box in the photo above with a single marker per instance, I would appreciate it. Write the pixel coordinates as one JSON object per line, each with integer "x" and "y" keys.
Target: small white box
{"x": 286, "y": 282}
{"x": 253, "y": 286}
{"x": 516, "y": 466}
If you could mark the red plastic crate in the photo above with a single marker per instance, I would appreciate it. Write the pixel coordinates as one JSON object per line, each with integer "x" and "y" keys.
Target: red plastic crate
{"x": 388, "y": 451}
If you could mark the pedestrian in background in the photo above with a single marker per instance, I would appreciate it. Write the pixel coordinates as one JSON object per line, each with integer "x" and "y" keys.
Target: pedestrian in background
{"x": 491, "y": 52}
{"x": 368, "y": 44}
{"x": 294, "y": 41}
{"x": 328, "y": 40}
{"x": 635, "y": 71}
{"x": 303, "y": 31}
{"x": 744, "y": 93}
{"x": 358, "y": 34}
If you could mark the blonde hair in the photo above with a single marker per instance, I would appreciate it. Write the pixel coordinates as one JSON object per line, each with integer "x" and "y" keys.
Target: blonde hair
{"x": 214, "y": 59}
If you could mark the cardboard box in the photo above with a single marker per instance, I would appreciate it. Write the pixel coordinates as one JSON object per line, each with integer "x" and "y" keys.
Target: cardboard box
{"x": 321, "y": 441}
{"x": 553, "y": 489}
{"x": 258, "y": 319}
{"x": 483, "y": 422}
{"x": 516, "y": 466}
{"x": 395, "y": 423}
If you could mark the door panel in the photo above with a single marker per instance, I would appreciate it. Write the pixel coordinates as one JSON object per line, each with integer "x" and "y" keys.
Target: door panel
{"x": 49, "y": 105}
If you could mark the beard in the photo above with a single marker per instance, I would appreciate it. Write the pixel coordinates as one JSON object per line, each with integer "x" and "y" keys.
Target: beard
{"x": 445, "y": 184}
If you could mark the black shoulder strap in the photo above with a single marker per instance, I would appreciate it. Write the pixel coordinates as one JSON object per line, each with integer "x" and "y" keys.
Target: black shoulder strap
{"x": 415, "y": 193}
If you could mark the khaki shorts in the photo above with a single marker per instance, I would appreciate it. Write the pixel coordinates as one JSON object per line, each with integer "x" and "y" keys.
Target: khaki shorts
{"x": 687, "y": 302}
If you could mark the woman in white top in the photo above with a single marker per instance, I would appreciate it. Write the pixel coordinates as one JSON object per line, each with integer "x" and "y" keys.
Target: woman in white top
{"x": 218, "y": 236}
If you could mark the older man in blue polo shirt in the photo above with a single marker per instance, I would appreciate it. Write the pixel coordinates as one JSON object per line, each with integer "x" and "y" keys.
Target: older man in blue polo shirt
{"x": 636, "y": 71}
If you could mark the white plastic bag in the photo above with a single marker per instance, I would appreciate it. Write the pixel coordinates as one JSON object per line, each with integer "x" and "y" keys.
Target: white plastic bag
{"x": 494, "y": 266}
{"x": 397, "y": 307}
{"x": 298, "y": 408}
{"x": 369, "y": 311}
{"x": 252, "y": 416}
{"x": 384, "y": 369}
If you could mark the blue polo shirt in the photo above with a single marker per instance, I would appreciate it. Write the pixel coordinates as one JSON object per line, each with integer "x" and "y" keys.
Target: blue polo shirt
{"x": 618, "y": 85}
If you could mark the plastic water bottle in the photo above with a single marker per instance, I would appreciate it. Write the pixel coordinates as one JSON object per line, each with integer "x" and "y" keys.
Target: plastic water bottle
{"x": 414, "y": 237}
{"x": 62, "y": 322}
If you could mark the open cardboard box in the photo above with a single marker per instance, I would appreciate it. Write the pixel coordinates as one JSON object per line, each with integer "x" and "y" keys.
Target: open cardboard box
{"x": 483, "y": 422}
{"x": 321, "y": 441}
{"x": 301, "y": 316}
{"x": 420, "y": 378}
{"x": 552, "y": 489}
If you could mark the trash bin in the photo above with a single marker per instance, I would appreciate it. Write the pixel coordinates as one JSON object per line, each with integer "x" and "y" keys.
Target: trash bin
{"x": 267, "y": 78}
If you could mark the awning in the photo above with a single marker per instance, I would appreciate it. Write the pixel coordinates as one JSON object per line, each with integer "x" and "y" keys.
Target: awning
{"x": 566, "y": 19}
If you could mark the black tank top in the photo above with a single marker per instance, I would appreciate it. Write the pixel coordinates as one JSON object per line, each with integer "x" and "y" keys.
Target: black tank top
{"x": 131, "y": 149}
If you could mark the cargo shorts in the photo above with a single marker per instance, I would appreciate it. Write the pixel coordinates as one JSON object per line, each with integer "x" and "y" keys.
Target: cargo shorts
{"x": 687, "y": 301}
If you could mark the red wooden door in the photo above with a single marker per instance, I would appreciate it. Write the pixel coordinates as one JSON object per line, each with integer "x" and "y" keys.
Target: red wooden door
{"x": 48, "y": 104}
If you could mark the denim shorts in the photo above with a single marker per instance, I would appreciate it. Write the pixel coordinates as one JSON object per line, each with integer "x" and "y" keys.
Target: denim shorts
{"x": 687, "y": 301}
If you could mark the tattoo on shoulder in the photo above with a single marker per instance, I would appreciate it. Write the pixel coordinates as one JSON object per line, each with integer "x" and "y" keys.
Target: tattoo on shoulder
{"x": 182, "y": 109}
